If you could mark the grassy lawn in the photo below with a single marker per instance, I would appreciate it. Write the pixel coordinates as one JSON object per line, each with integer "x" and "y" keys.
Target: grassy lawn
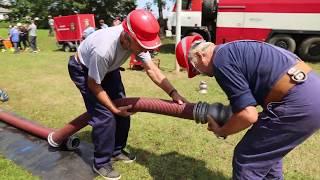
{"x": 167, "y": 148}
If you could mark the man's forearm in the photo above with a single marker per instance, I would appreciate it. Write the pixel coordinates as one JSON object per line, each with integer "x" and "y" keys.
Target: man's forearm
{"x": 233, "y": 126}
{"x": 101, "y": 95}
{"x": 240, "y": 121}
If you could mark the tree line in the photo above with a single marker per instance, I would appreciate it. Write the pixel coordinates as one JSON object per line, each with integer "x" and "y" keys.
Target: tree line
{"x": 25, "y": 10}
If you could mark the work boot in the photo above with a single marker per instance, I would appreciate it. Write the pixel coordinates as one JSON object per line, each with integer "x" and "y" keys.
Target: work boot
{"x": 124, "y": 157}
{"x": 107, "y": 172}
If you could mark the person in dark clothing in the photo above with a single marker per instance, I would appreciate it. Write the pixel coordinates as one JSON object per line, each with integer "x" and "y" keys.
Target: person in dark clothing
{"x": 253, "y": 73}
{"x": 23, "y": 37}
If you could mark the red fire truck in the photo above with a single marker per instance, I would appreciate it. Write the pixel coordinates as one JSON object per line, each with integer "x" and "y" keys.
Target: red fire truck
{"x": 69, "y": 30}
{"x": 293, "y": 25}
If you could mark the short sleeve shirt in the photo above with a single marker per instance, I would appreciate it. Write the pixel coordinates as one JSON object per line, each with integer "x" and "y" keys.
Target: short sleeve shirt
{"x": 246, "y": 70}
{"x": 32, "y": 30}
{"x": 101, "y": 52}
{"x": 51, "y": 22}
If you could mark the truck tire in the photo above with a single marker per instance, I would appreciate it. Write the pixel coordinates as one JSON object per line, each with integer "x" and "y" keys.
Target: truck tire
{"x": 208, "y": 10}
{"x": 205, "y": 35}
{"x": 284, "y": 41}
{"x": 309, "y": 49}
{"x": 67, "y": 48}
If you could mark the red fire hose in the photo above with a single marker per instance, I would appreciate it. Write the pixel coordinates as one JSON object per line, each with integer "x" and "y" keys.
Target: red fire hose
{"x": 190, "y": 111}
{"x": 56, "y": 138}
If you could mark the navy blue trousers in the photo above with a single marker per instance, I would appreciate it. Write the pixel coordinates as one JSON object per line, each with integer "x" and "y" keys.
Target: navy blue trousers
{"x": 280, "y": 128}
{"x": 109, "y": 132}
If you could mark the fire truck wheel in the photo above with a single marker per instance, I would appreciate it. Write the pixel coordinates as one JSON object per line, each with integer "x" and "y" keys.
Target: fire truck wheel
{"x": 67, "y": 48}
{"x": 283, "y": 41}
{"x": 205, "y": 35}
{"x": 208, "y": 10}
{"x": 309, "y": 49}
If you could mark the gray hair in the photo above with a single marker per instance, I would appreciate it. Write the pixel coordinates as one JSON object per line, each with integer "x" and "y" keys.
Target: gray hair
{"x": 200, "y": 46}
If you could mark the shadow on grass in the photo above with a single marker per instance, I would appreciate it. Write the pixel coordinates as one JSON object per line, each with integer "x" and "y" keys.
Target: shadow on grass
{"x": 168, "y": 166}
{"x": 174, "y": 166}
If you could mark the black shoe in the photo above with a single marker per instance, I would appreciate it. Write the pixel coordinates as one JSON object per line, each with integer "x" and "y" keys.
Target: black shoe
{"x": 107, "y": 172}
{"x": 124, "y": 157}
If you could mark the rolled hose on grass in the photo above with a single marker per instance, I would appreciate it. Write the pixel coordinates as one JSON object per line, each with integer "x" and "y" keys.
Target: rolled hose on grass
{"x": 64, "y": 136}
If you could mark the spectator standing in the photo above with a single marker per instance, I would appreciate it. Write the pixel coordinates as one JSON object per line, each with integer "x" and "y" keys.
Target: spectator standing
{"x": 23, "y": 37}
{"x": 89, "y": 29}
{"x": 33, "y": 36}
{"x": 51, "y": 26}
{"x": 15, "y": 38}
{"x": 102, "y": 24}
{"x": 116, "y": 21}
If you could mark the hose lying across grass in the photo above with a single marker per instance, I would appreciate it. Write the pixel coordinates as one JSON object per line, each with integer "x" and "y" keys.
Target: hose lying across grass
{"x": 56, "y": 138}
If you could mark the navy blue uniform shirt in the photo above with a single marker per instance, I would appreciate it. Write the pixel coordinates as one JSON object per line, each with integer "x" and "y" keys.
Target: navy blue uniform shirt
{"x": 246, "y": 70}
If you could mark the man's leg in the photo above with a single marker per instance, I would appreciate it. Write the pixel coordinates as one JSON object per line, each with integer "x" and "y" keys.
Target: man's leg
{"x": 102, "y": 120}
{"x": 279, "y": 129}
{"x": 31, "y": 40}
{"x": 35, "y": 43}
{"x": 103, "y": 123}
{"x": 113, "y": 85}
{"x": 16, "y": 47}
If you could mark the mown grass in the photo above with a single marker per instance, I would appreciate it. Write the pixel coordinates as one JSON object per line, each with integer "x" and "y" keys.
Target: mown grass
{"x": 167, "y": 148}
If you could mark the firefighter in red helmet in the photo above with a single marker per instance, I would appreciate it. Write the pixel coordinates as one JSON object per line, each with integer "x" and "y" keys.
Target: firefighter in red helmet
{"x": 95, "y": 71}
{"x": 253, "y": 73}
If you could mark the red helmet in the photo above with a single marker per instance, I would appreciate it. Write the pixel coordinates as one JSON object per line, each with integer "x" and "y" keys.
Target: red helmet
{"x": 143, "y": 27}
{"x": 182, "y": 51}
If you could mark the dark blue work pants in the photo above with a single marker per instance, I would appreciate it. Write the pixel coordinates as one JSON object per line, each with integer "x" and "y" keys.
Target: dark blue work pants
{"x": 110, "y": 132}
{"x": 280, "y": 128}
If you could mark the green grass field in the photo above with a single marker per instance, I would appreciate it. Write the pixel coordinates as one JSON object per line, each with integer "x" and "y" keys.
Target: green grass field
{"x": 167, "y": 148}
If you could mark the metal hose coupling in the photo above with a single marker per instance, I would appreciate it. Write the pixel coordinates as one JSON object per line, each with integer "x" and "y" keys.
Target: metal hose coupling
{"x": 72, "y": 142}
{"x": 219, "y": 112}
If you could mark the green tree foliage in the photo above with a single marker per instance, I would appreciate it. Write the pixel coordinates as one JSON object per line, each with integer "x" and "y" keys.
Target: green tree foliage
{"x": 161, "y": 4}
{"x": 23, "y": 10}
{"x": 109, "y": 9}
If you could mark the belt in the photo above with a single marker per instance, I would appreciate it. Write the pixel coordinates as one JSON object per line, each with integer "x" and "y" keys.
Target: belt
{"x": 295, "y": 75}
{"x": 76, "y": 57}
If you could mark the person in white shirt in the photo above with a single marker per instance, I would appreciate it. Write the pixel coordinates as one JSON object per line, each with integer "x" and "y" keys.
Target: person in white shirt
{"x": 33, "y": 36}
{"x": 89, "y": 29}
{"x": 95, "y": 71}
